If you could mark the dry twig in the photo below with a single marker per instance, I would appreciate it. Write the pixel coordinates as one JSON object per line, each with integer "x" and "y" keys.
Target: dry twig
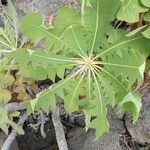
{"x": 10, "y": 107}
{"x": 60, "y": 136}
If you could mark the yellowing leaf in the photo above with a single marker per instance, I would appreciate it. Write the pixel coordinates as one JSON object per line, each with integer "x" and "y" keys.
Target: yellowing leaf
{"x": 20, "y": 90}
{"x": 5, "y": 122}
{"x": 6, "y": 79}
{"x": 5, "y": 95}
{"x": 14, "y": 114}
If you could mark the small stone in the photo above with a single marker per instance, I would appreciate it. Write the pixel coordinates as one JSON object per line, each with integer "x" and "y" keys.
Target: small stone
{"x": 85, "y": 140}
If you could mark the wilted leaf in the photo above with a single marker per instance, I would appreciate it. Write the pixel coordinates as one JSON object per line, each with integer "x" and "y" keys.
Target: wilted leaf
{"x": 5, "y": 95}
{"x": 6, "y": 79}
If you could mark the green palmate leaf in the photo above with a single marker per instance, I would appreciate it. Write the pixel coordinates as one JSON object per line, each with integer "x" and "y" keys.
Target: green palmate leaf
{"x": 132, "y": 103}
{"x": 130, "y": 10}
{"x": 105, "y": 62}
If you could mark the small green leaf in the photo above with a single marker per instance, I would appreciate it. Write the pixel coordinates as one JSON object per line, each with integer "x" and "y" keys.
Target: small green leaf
{"x": 146, "y": 3}
{"x": 130, "y": 10}
{"x": 100, "y": 124}
{"x": 103, "y": 62}
{"x": 30, "y": 26}
{"x": 65, "y": 18}
{"x": 146, "y": 33}
{"x": 147, "y": 16}
{"x": 132, "y": 102}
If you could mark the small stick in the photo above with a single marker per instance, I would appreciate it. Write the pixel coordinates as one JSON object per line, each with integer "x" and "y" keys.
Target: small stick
{"x": 43, "y": 121}
{"x": 60, "y": 136}
{"x": 10, "y": 107}
{"x": 7, "y": 144}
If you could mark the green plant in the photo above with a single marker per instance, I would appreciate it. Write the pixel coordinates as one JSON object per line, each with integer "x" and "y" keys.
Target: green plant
{"x": 103, "y": 63}
{"x": 8, "y": 43}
